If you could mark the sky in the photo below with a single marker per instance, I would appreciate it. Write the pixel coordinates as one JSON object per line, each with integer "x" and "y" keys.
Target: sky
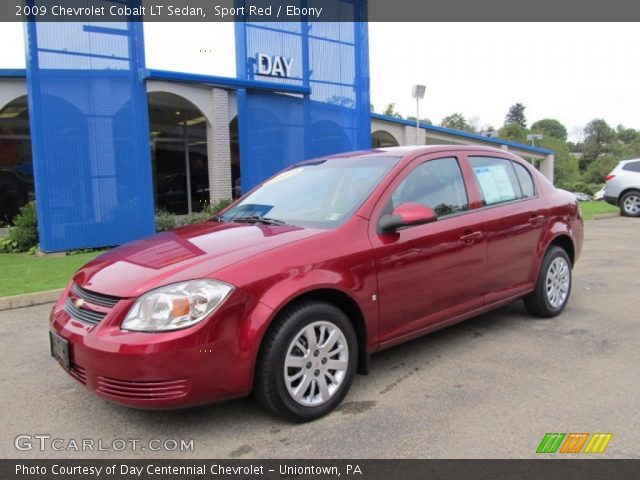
{"x": 573, "y": 72}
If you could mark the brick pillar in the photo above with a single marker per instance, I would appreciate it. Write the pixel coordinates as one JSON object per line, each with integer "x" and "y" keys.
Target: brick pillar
{"x": 410, "y": 135}
{"x": 218, "y": 147}
{"x": 546, "y": 166}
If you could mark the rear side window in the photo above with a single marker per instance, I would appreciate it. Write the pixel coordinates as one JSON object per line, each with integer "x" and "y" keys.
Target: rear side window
{"x": 497, "y": 179}
{"x": 632, "y": 166}
{"x": 526, "y": 182}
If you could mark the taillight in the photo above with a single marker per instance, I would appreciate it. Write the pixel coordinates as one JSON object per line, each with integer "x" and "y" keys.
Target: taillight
{"x": 610, "y": 177}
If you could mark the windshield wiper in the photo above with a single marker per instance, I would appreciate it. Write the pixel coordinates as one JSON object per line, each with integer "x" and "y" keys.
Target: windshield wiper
{"x": 259, "y": 219}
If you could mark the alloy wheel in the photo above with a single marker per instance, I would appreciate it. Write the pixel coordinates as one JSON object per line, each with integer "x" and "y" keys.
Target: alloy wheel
{"x": 631, "y": 204}
{"x": 558, "y": 282}
{"x": 316, "y": 363}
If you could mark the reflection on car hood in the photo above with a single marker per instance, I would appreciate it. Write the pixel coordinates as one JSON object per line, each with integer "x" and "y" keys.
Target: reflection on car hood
{"x": 196, "y": 251}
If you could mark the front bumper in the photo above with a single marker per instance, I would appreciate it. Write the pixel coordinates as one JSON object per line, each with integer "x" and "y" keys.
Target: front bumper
{"x": 210, "y": 361}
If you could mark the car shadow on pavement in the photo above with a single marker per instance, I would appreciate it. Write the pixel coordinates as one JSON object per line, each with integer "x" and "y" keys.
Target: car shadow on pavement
{"x": 386, "y": 368}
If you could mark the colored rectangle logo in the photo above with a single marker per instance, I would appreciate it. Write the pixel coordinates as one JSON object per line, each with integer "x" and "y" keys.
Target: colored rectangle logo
{"x": 574, "y": 442}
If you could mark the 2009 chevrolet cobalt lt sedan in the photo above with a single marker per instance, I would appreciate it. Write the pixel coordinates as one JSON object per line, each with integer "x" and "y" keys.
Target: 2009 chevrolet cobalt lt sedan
{"x": 291, "y": 288}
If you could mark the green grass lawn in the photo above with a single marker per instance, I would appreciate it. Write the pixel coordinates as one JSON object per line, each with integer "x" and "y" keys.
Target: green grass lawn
{"x": 590, "y": 209}
{"x": 24, "y": 273}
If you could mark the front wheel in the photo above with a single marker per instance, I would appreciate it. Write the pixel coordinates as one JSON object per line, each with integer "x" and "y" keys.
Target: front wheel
{"x": 307, "y": 362}
{"x": 630, "y": 204}
{"x": 553, "y": 286}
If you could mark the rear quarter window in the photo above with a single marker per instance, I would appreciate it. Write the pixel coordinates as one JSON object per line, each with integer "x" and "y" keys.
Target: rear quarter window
{"x": 632, "y": 167}
{"x": 526, "y": 182}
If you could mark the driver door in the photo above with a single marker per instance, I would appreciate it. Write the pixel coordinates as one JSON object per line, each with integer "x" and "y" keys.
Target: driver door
{"x": 433, "y": 273}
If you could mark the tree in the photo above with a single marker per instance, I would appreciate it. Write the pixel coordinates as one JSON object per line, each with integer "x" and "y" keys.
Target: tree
{"x": 598, "y": 170}
{"x": 424, "y": 120}
{"x": 627, "y": 135}
{"x": 550, "y": 127}
{"x": 456, "y": 121}
{"x": 513, "y": 132}
{"x": 598, "y": 138}
{"x": 391, "y": 111}
{"x": 515, "y": 116}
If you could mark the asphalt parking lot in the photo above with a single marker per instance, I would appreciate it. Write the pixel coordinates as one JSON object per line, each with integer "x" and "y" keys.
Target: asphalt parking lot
{"x": 490, "y": 387}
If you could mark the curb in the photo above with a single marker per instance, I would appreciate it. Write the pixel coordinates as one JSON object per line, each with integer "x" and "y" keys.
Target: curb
{"x": 603, "y": 216}
{"x": 30, "y": 299}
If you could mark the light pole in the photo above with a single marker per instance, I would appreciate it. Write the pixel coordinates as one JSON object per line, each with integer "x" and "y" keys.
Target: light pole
{"x": 418, "y": 93}
{"x": 533, "y": 137}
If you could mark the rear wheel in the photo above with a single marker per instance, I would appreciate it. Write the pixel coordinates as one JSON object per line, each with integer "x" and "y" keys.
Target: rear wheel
{"x": 553, "y": 286}
{"x": 630, "y": 204}
{"x": 307, "y": 362}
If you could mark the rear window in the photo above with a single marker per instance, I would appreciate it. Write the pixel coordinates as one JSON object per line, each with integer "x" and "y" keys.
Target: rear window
{"x": 632, "y": 166}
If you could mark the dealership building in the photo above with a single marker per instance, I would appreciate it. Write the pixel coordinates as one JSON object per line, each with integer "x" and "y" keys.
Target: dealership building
{"x": 103, "y": 133}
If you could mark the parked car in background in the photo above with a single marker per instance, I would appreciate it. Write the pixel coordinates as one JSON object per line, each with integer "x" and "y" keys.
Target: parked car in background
{"x": 582, "y": 197}
{"x": 599, "y": 195}
{"x": 291, "y": 288}
{"x": 623, "y": 187}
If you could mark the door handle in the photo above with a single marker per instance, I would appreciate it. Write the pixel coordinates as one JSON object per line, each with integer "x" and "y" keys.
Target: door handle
{"x": 537, "y": 219}
{"x": 469, "y": 238}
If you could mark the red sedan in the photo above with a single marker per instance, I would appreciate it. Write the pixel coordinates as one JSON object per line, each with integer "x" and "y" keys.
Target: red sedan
{"x": 288, "y": 292}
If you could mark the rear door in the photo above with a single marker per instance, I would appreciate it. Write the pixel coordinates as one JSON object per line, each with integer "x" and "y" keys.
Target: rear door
{"x": 516, "y": 216}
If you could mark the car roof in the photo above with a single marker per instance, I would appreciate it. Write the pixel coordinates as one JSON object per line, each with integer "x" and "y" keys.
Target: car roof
{"x": 414, "y": 149}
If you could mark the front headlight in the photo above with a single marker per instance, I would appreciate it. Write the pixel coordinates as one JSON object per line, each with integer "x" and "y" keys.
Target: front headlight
{"x": 176, "y": 306}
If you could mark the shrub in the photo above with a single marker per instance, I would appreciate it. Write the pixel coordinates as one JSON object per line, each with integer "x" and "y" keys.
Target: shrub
{"x": 23, "y": 235}
{"x": 165, "y": 221}
{"x": 168, "y": 221}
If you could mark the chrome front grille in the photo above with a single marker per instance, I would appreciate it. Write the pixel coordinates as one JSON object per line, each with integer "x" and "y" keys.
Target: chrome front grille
{"x": 87, "y": 306}
{"x": 95, "y": 298}
{"x": 83, "y": 314}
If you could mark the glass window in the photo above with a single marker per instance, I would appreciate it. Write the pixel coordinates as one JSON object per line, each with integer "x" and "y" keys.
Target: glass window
{"x": 526, "y": 182}
{"x": 16, "y": 165}
{"x": 632, "y": 166}
{"x": 178, "y": 154}
{"x": 437, "y": 184}
{"x": 497, "y": 179}
{"x": 320, "y": 193}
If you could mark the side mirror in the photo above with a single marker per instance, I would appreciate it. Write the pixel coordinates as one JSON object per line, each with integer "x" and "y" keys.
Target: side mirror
{"x": 406, "y": 215}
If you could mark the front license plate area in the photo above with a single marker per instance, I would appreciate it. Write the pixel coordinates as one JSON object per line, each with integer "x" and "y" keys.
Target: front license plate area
{"x": 60, "y": 350}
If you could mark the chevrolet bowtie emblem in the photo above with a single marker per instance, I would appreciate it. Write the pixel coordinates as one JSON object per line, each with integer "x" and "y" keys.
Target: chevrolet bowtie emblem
{"x": 79, "y": 303}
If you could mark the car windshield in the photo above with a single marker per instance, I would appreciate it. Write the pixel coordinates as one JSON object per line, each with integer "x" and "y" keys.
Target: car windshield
{"x": 321, "y": 193}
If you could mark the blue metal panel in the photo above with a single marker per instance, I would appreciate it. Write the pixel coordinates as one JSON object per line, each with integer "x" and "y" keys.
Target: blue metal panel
{"x": 13, "y": 73}
{"x": 90, "y": 133}
{"x": 331, "y": 59}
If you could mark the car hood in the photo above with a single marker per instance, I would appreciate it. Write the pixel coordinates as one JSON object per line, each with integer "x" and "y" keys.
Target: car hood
{"x": 196, "y": 251}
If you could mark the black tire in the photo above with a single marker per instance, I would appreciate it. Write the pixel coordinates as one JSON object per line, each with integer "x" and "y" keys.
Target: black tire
{"x": 630, "y": 209}
{"x": 538, "y": 302}
{"x": 270, "y": 384}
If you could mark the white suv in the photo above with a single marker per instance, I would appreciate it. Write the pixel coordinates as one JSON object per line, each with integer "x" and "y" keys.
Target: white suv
{"x": 623, "y": 187}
